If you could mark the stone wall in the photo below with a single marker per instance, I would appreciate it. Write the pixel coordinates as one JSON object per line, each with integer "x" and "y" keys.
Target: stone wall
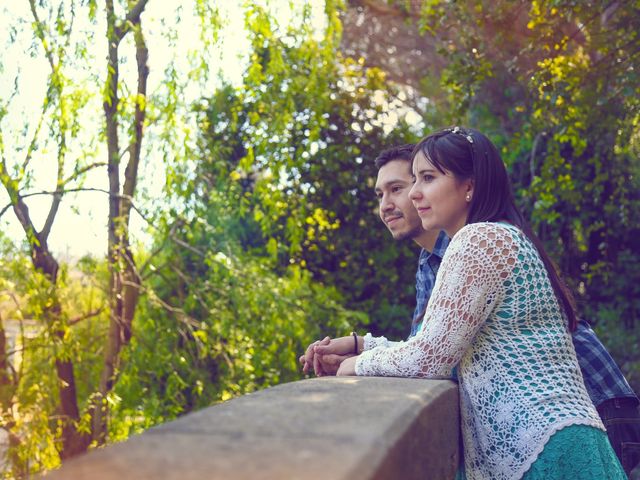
{"x": 326, "y": 428}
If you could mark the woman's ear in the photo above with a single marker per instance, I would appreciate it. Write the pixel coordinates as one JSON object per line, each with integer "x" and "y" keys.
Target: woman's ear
{"x": 468, "y": 185}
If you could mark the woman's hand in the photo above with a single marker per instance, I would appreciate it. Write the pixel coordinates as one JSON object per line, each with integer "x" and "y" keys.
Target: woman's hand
{"x": 330, "y": 363}
{"x": 347, "y": 367}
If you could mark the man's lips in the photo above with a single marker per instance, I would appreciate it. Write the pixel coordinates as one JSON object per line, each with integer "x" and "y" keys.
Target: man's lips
{"x": 392, "y": 219}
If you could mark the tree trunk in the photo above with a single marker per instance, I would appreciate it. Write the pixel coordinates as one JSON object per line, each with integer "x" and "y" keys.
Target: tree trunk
{"x": 6, "y": 381}
{"x": 124, "y": 281}
{"x": 73, "y": 441}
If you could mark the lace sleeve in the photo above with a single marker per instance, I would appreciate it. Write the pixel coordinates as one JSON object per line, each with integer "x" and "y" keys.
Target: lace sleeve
{"x": 371, "y": 342}
{"x": 480, "y": 257}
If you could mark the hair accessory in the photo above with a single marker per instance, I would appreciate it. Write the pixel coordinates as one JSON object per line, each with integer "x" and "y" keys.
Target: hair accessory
{"x": 355, "y": 343}
{"x": 467, "y": 135}
{"x": 459, "y": 131}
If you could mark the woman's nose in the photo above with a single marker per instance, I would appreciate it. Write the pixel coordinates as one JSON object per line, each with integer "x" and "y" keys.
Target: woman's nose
{"x": 414, "y": 193}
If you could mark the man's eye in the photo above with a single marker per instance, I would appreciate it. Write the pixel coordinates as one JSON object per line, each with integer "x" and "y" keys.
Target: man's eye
{"x": 396, "y": 189}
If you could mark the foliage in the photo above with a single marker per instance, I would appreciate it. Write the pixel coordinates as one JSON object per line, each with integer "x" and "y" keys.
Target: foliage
{"x": 266, "y": 234}
{"x": 30, "y": 408}
{"x": 239, "y": 327}
{"x": 48, "y": 145}
{"x": 305, "y": 176}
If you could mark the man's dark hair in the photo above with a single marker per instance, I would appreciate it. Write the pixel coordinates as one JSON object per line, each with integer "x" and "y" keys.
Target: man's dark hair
{"x": 401, "y": 152}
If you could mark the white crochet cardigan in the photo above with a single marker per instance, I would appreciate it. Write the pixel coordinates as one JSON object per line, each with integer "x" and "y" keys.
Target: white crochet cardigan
{"x": 493, "y": 312}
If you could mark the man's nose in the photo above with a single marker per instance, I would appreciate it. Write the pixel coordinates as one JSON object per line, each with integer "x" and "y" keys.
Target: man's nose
{"x": 386, "y": 205}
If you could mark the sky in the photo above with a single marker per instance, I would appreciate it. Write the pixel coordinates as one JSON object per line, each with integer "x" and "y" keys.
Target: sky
{"x": 80, "y": 226}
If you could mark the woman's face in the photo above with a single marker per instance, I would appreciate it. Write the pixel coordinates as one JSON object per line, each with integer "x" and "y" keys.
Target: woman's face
{"x": 442, "y": 201}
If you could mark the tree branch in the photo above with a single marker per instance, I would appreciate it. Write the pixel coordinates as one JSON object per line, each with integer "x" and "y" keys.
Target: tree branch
{"x": 181, "y": 314}
{"x": 132, "y": 18}
{"x": 36, "y": 133}
{"x": 82, "y": 170}
{"x": 19, "y": 207}
{"x": 53, "y": 211}
{"x": 131, "y": 171}
{"x": 191, "y": 248}
{"x": 72, "y": 190}
{"x": 40, "y": 34}
{"x": 170, "y": 234}
{"x": 79, "y": 318}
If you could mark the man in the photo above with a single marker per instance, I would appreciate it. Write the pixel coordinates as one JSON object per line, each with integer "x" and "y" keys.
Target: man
{"x": 401, "y": 218}
{"x": 614, "y": 399}
{"x": 397, "y": 212}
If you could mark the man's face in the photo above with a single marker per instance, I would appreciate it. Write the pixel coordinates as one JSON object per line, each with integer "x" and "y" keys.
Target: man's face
{"x": 396, "y": 209}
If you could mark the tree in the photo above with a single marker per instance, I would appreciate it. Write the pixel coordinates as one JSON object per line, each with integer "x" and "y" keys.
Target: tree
{"x": 65, "y": 105}
{"x": 555, "y": 84}
{"x": 229, "y": 311}
{"x": 61, "y": 97}
{"x": 46, "y": 292}
{"x": 305, "y": 173}
{"x": 124, "y": 280}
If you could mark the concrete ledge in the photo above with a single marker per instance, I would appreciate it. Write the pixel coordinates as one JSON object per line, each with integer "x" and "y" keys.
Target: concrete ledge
{"x": 325, "y": 428}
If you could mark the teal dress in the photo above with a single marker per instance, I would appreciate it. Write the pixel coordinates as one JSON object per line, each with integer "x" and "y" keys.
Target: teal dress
{"x": 524, "y": 407}
{"x": 563, "y": 457}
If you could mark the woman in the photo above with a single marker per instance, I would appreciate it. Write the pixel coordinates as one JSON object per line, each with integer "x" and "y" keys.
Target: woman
{"x": 500, "y": 313}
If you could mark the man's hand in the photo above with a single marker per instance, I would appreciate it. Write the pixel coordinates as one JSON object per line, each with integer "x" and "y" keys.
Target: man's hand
{"x": 309, "y": 360}
{"x": 337, "y": 346}
{"x": 326, "y": 355}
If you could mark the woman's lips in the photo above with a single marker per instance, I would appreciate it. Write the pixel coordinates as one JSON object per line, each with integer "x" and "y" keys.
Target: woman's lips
{"x": 423, "y": 210}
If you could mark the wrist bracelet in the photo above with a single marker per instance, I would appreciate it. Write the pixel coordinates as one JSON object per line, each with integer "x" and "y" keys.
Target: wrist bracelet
{"x": 355, "y": 343}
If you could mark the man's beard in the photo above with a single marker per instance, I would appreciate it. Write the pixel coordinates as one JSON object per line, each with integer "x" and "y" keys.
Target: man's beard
{"x": 409, "y": 235}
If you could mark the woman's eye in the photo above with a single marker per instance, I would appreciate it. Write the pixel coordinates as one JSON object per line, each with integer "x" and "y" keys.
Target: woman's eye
{"x": 427, "y": 177}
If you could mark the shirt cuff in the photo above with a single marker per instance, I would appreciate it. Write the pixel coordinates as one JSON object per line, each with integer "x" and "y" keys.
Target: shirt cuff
{"x": 372, "y": 342}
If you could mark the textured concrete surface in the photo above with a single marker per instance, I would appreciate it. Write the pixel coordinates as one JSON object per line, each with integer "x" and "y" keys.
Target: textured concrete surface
{"x": 325, "y": 428}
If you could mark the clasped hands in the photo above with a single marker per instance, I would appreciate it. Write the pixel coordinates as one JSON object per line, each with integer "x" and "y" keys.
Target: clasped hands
{"x": 330, "y": 357}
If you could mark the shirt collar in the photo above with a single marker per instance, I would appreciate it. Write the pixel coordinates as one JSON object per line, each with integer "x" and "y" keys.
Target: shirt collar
{"x": 439, "y": 247}
{"x": 442, "y": 242}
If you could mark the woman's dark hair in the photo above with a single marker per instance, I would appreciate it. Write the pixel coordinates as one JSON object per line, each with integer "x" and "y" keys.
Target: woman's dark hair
{"x": 468, "y": 154}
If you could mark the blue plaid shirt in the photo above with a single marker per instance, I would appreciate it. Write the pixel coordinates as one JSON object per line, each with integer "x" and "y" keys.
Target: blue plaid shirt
{"x": 602, "y": 377}
{"x": 428, "y": 265}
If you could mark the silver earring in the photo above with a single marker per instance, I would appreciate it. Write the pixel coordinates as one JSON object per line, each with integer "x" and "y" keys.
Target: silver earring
{"x": 468, "y": 197}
